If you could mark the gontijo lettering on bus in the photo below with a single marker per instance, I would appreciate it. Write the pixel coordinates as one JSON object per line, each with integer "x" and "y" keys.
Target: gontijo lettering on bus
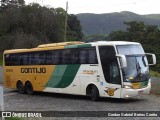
{"x": 33, "y": 70}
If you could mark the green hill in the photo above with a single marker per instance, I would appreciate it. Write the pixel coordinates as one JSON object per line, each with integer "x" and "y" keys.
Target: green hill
{"x": 153, "y": 16}
{"x": 106, "y": 23}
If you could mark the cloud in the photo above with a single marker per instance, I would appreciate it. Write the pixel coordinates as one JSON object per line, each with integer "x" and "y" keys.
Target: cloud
{"x": 104, "y": 6}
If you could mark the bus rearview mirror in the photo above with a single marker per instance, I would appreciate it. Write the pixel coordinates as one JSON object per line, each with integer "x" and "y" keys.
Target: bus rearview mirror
{"x": 123, "y": 61}
{"x": 153, "y": 58}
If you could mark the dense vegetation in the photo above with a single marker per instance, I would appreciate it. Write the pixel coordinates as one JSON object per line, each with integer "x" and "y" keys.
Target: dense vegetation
{"x": 26, "y": 26}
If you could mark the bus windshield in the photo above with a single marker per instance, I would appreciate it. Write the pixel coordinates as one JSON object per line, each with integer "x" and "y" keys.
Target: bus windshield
{"x": 137, "y": 65}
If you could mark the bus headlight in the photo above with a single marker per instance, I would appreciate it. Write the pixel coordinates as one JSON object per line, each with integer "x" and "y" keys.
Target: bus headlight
{"x": 127, "y": 87}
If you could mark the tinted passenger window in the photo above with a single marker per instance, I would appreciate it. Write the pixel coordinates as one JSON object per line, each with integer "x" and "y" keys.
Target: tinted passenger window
{"x": 92, "y": 56}
{"x": 7, "y": 59}
{"x": 41, "y": 58}
{"x": 58, "y": 57}
{"x": 83, "y": 56}
{"x": 15, "y": 59}
{"x": 31, "y": 59}
{"x": 24, "y": 59}
{"x": 66, "y": 55}
{"x": 50, "y": 57}
{"x": 53, "y": 57}
{"x": 75, "y": 56}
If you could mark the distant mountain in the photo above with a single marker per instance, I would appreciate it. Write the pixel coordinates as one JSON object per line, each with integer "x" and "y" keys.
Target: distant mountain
{"x": 106, "y": 23}
{"x": 153, "y": 16}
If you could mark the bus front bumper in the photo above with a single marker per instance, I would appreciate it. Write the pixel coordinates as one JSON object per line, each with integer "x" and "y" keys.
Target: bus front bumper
{"x": 125, "y": 93}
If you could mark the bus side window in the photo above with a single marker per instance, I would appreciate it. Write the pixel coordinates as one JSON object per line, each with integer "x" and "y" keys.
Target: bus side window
{"x": 31, "y": 59}
{"x": 41, "y": 58}
{"x": 49, "y": 55}
{"x": 83, "y": 56}
{"x": 66, "y": 56}
{"x": 93, "y": 56}
{"x": 7, "y": 60}
{"x": 24, "y": 59}
{"x": 36, "y": 58}
{"x": 15, "y": 59}
{"x": 58, "y": 57}
{"x": 75, "y": 56}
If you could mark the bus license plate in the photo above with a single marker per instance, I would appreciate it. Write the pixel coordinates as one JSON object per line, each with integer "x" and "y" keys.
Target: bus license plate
{"x": 140, "y": 92}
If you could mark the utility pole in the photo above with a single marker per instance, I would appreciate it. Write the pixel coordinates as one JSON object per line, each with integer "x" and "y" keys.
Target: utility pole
{"x": 65, "y": 27}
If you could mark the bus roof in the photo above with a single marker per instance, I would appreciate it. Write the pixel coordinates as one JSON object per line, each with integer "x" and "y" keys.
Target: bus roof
{"x": 52, "y": 46}
{"x": 114, "y": 43}
{"x": 60, "y": 44}
{"x": 74, "y": 44}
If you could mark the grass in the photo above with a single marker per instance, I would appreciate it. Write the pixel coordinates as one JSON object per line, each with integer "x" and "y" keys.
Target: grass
{"x": 154, "y": 73}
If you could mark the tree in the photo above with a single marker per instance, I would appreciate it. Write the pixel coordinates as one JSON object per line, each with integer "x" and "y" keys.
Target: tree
{"x": 119, "y": 36}
{"x": 74, "y": 29}
{"x": 30, "y": 25}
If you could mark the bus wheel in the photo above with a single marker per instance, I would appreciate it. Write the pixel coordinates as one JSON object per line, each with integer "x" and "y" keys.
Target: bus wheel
{"x": 29, "y": 88}
{"x": 94, "y": 93}
{"x": 20, "y": 87}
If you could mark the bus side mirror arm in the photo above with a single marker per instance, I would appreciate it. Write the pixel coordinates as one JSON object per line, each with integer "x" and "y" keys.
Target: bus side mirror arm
{"x": 153, "y": 58}
{"x": 123, "y": 61}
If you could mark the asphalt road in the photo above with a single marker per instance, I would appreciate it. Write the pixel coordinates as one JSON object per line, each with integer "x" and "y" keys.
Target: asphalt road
{"x": 61, "y": 102}
{"x": 14, "y": 101}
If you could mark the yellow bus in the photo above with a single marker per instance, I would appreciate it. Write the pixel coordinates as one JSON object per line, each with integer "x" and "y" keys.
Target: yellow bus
{"x": 98, "y": 69}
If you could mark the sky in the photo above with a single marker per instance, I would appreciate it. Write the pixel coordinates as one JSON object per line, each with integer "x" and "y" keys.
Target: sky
{"x": 141, "y": 7}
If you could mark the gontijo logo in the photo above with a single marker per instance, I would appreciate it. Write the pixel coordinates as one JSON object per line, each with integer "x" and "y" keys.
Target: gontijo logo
{"x": 33, "y": 70}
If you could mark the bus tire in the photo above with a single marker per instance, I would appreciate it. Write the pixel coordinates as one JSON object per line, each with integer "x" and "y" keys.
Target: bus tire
{"x": 20, "y": 87}
{"x": 29, "y": 88}
{"x": 94, "y": 93}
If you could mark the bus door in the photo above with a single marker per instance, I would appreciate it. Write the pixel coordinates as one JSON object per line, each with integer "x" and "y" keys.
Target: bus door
{"x": 110, "y": 71}
{"x": 114, "y": 81}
